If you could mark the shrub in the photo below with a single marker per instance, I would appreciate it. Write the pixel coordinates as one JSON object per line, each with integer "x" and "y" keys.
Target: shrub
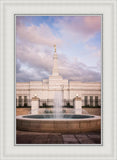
{"x": 46, "y": 111}
{"x": 68, "y": 106}
{"x": 45, "y": 106}
{"x": 23, "y": 106}
{"x": 91, "y": 106}
{"x": 51, "y": 111}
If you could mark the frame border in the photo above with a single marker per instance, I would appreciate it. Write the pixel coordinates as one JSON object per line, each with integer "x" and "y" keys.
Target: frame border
{"x": 114, "y": 49}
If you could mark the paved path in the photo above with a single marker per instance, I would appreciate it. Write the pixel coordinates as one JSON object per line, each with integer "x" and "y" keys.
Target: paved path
{"x": 23, "y": 137}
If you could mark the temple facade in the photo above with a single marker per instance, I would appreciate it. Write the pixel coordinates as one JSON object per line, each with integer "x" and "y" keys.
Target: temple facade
{"x": 90, "y": 92}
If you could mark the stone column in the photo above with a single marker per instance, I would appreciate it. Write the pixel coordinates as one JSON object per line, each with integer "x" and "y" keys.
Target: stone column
{"x": 78, "y": 105}
{"x": 34, "y": 105}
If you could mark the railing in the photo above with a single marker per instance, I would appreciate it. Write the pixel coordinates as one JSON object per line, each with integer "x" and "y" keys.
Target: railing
{"x": 26, "y": 103}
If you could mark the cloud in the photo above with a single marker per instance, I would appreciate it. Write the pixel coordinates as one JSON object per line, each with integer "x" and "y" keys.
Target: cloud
{"x": 25, "y": 75}
{"x": 41, "y": 34}
{"x": 79, "y": 27}
{"x": 35, "y": 56}
{"x": 18, "y": 65}
{"x": 32, "y": 57}
{"x": 91, "y": 47}
{"x": 76, "y": 70}
{"x": 34, "y": 65}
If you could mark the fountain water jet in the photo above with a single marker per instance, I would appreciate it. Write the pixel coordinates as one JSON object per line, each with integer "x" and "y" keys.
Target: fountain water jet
{"x": 58, "y": 103}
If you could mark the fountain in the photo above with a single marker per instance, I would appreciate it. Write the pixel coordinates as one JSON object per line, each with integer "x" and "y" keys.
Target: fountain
{"x": 58, "y": 113}
{"x": 58, "y": 122}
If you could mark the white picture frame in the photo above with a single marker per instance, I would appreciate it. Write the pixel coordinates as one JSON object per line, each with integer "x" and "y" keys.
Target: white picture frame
{"x": 8, "y": 150}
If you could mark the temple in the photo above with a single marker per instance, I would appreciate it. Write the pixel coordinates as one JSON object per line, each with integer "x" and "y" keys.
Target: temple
{"x": 89, "y": 92}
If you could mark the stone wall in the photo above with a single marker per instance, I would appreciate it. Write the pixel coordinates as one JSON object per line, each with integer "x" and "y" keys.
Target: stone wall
{"x": 22, "y": 111}
{"x": 93, "y": 111}
{"x": 59, "y": 126}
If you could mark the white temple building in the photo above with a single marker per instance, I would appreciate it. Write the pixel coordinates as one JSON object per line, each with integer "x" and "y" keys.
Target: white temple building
{"x": 90, "y": 92}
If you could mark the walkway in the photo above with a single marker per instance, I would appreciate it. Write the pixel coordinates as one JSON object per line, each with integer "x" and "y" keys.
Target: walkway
{"x": 57, "y": 138}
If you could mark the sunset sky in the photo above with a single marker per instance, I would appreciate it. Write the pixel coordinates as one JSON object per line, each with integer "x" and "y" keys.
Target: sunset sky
{"x": 78, "y": 45}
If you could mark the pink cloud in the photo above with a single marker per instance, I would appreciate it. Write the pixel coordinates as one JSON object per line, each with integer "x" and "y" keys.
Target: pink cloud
{"x": 80, "y": 27}
{"x": 36, "y": 34}
{"x": 93, "y": 24}
{"x": 33, "y": 57}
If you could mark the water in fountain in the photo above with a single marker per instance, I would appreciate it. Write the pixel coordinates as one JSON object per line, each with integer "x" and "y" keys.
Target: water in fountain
{"x": 58, "y": 105}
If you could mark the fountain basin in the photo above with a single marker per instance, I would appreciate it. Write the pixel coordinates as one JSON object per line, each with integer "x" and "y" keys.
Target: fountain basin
{"x": 69, "y": 124}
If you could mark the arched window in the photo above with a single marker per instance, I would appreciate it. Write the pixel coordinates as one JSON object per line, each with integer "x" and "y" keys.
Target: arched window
{"x": 20, "y": 100}
{"x": 25, "y": 101}
{"x": 91, "y": 100}
{"x": 85, "y": 100}
{"x": 96, "y": 100}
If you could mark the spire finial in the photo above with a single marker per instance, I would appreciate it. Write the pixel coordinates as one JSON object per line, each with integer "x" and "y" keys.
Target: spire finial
{"x": 55, "y": 48}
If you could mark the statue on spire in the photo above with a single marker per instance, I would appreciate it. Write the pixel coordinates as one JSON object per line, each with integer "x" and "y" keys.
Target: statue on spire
{"x": 55, "y": 48}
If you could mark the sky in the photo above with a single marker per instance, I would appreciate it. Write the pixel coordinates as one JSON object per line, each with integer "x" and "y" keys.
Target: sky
{"x": 78, "y": 45}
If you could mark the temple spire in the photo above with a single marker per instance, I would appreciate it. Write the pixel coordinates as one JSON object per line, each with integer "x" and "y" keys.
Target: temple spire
{"x": 55, "y": 48}
{"x": 55, "y": 63}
